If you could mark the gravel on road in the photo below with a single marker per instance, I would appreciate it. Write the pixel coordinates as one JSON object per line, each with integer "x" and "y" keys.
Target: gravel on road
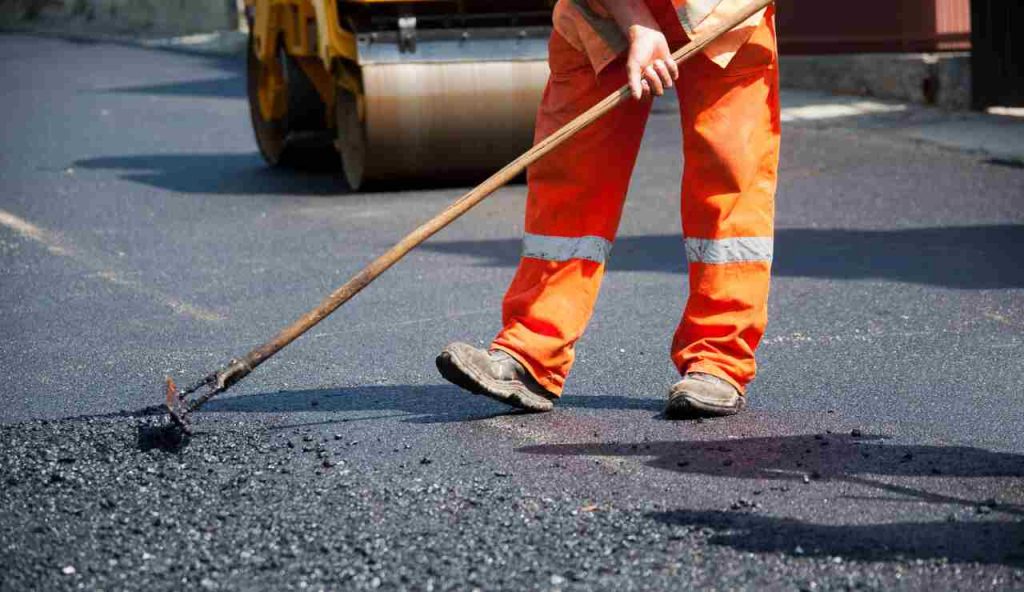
{"x": 114, "y": 503}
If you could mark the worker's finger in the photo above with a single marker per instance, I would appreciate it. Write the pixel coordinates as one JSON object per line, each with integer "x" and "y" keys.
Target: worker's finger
{"x": 662, "y": 69}
{"x": 673, "y": 69}
{"x": 652, "y": 78}
{"x": 635, "y": 80}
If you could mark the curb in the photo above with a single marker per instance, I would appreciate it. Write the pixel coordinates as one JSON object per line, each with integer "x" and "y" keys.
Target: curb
{"x": 936, "y": 79}
{"x": 997, "y": 137}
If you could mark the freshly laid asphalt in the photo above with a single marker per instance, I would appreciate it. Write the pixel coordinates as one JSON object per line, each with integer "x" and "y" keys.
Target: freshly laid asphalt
{"x": 141, "y": 235}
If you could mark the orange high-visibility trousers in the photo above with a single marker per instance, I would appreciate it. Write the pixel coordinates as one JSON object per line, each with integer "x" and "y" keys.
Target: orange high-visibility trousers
{"x": 730, "y": 124}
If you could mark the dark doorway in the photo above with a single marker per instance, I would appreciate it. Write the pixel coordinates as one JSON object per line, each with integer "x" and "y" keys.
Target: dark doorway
{"x": 997, "y": 56}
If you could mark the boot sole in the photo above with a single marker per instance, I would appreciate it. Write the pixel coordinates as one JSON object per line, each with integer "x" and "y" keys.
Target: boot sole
{"x": 514, "y": 394}
{"x": 683, "y": 406}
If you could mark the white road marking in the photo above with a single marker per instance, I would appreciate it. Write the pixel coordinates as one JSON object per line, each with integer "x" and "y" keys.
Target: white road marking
{"x": 817, "y": 112}
{"x": 25, "y": 228}
{"x": 101, "y": 267}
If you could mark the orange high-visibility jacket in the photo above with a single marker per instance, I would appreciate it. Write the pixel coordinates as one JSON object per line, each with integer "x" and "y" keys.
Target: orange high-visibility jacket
{"x": 588, "y": 27}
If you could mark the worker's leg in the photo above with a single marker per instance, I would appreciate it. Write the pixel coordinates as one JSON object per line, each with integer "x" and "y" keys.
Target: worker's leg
{"x": 572, "y": 213}
{"x": 730, "y": 120}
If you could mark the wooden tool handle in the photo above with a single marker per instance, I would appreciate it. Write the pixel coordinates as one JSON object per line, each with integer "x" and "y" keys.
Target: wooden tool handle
{"x": 462, "y": 205}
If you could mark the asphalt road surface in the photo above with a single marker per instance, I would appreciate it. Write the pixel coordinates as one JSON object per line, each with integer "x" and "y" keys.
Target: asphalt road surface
{"x": 141, "y": 235}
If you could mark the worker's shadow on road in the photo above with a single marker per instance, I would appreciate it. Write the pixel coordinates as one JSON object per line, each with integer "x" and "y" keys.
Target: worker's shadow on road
{"x": 864, "y": 470}
{"x": 965, "y": 257}
{"x": 429, "y": 404}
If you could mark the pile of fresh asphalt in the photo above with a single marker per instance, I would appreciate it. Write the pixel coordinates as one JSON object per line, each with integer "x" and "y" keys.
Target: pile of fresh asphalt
{"x": 121, "y": 503}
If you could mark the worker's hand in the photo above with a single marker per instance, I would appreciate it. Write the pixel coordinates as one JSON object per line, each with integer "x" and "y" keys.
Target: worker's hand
{"x": 650, "y": 66}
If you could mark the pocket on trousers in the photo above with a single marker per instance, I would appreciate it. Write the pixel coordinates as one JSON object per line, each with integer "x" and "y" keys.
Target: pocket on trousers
{"x": 759, "y": 53}
{"x": 564, "y": 60}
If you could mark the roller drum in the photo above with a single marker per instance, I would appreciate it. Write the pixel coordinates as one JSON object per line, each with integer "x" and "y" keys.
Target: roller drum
{"x": 455, "y": 120}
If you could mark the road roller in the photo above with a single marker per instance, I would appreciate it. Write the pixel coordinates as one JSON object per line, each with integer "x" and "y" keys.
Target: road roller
{"x": 407, "y": 90}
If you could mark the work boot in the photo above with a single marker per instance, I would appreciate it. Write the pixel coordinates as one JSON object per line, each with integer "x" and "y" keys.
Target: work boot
{"x": 494, "y": 374}
{"x": 703, "y": 395}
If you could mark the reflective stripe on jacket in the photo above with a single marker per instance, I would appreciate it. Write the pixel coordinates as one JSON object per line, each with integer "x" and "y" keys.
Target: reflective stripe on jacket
{"x": 587, "y": 26}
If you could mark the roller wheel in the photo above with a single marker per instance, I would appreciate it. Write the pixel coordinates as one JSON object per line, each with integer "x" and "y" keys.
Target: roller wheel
{"x": 268, "y": 104}
{"x": 287, "y": 112}
{"x": 351, "y": 141}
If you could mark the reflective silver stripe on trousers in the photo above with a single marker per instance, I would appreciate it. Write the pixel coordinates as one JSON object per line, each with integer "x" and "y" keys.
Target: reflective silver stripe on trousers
{"x": 560, "y": 248}
{"x": 729, "y": 250}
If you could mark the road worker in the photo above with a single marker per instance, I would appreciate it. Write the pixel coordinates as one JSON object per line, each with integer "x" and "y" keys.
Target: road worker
{"x": 729, "y": 108}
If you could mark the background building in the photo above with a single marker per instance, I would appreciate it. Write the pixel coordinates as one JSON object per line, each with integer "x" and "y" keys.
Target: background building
{"x": 953, "y": 53}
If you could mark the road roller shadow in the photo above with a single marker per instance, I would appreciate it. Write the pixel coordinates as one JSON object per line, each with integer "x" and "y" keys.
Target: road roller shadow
{"x": 307, "y": 171}
{"x": 225, "y": 173}
{"x": 230, "y": 84}
{"x": 221, "y": 88}
{"x": 457, "y": 182}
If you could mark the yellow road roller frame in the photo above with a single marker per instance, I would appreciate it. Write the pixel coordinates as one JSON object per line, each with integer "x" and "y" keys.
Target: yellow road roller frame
{"x": 310, "y": 32}
{"x": 450, "y": 99}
